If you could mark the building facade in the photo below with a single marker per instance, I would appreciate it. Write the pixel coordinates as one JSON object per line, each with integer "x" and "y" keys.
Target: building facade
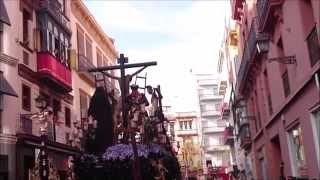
{"x": 39, "y": 58}
{"x": 187, "y": 141}
{"x": 277, "y": 86}
{"x": 214, "y": 152}
{"x": 228, "y": 66}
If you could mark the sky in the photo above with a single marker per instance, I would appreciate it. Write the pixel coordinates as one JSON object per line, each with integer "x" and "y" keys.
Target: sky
{"x": 182, "y": 36}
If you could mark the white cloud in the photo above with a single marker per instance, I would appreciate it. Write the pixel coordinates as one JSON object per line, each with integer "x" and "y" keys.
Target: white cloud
{"x": 198, "y": 32}
{"x": 119, "y": 14}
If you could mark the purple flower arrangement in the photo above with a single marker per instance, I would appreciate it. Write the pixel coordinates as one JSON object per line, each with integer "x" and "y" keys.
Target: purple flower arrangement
{"x": 125, "y": 151}
{"x": 117, "y": 161}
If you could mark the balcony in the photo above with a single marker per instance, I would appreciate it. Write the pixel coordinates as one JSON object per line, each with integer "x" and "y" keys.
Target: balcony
{"x": 236, "y": 6}
{"x": 228, "y": 136}
{"x": 248, "y": 53}
{"x": 222, "y": 88}
{"x": 244, "y": 136}
{"x": 25, "y": 125}
{"x": 266, "y": 12}
{"x": 53, "y": 72}
{"x": 213, "y": 129}
{"x": 83, "y": 66}
{"x": 186, "y": 132}
{"x": 30, "y": 127}
{"x": 206, "y": 82}
{"x": 210, "y": 113}
{"x": 215, "y": 148}
{"x": 225, "y": 111}
{"x": 204, "y": 97}
{"x": 56, "y": 11}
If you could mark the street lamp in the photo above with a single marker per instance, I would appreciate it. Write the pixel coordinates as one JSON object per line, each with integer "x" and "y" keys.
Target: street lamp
{"x": 178, "y": 146}
{"x": 42, "y": 117}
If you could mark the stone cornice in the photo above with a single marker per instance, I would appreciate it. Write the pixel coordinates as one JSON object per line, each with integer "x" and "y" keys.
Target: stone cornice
{"x": 78, "y": 5}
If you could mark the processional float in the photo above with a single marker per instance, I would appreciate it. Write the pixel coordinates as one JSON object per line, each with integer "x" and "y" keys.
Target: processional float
{"x": 120, "y": 128}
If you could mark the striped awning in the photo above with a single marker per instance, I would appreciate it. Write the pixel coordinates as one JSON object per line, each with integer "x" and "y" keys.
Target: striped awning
{"x": 4, "y": 18}
{"x": 5, "y": 87}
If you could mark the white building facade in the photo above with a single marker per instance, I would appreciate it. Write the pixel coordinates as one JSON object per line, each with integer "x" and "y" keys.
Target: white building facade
{"x": 214, "y": 152}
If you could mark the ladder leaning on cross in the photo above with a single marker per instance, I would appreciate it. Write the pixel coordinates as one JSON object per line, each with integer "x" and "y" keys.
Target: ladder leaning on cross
{"x": 124, "y": 82}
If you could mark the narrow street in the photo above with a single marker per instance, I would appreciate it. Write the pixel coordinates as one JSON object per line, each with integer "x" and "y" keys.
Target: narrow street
{"x": 159, "y": 90}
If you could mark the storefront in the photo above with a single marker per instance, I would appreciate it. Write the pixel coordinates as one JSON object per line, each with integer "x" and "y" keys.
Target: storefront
{"x": 27, "y": 152}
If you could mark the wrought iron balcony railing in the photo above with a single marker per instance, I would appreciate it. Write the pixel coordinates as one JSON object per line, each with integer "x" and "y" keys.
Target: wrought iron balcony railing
{"x": 262, "y": 6}
{"x": 30, "y": 127}
{"x": 236, "y": 5}
{"x": 207, "y": 96}
{"x": 265, "y": 9}
{"x": 245, "y": 136}
{"x": 212, "y": 129}
{"x": 56, "y": 10}
{"x": 228, "y": 135}
{"x": 249, "y": 49}
{"x": 210, "y": 113}
{"x": 83, "y": 66}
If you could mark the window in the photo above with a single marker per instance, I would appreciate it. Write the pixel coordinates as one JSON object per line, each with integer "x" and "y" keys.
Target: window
{"x": 263, "y": 164}
{"x": 316, "y": 129}
{"x": 68, "y": 142}
{"x": 206, "y": 141}
{"x": 297, "y": 150}
{"x": 253, "y": 113}
{"x": 26, "y": 125}
{"x": 63, "y": 6}
{"x": 217, "y": 106}
{"x": 51, "y": 135}
{"x": 25, "y": 58}
{"x": 84, "y": 99}
{"x": 50, "y": 38}
{"x": 215, "y": 90}
{"x": 67, "y": 116}
{"x": 80, "y": 42}
{"x": 1, "y": 109}
{"x": 266, "y": 84}
{"x": 313, "y": 47}
{"x": 1, "y": 37}
{"x": 56, "y": 51}
{"x": 190, "y": 124}
{"x": 286, "y": 84}
{"x": 88, "y": 50}
{"x": 25, "y": 27}
{"x": 181, "y": 125}
{"x": 258, "y": 109}
{"x": 204, "y": 124}
{"x": 26, "y": 97}
{"x": 99, "y": 58}
{"x": 209, "y": 163}
{"x": 185, "y": 124}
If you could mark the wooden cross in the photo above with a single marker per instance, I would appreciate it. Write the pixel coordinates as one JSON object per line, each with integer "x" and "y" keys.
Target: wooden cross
{"x": 124, "y": 82}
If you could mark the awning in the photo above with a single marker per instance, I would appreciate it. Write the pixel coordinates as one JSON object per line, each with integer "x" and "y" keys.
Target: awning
{"x": 4, "y": 18}
{"x": 5, "y": 87}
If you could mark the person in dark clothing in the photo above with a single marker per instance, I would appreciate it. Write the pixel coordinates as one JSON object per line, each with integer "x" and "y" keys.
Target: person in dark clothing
{"x": 101, "y": 111}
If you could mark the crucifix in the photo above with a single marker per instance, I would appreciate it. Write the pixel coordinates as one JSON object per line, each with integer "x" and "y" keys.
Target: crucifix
{"x": 124, "y": 83}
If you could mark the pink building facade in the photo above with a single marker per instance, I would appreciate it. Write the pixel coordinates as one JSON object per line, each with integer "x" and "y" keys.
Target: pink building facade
{"x": 45, "y": 48}
{"x": 277, "y": 86}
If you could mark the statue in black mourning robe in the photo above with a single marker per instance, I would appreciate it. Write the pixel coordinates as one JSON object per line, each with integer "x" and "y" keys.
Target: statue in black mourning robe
{"x": 101, "y": 112}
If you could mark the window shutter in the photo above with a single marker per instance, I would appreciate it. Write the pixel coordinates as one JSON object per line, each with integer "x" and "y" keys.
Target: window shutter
{"x": 80, "y": 39}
